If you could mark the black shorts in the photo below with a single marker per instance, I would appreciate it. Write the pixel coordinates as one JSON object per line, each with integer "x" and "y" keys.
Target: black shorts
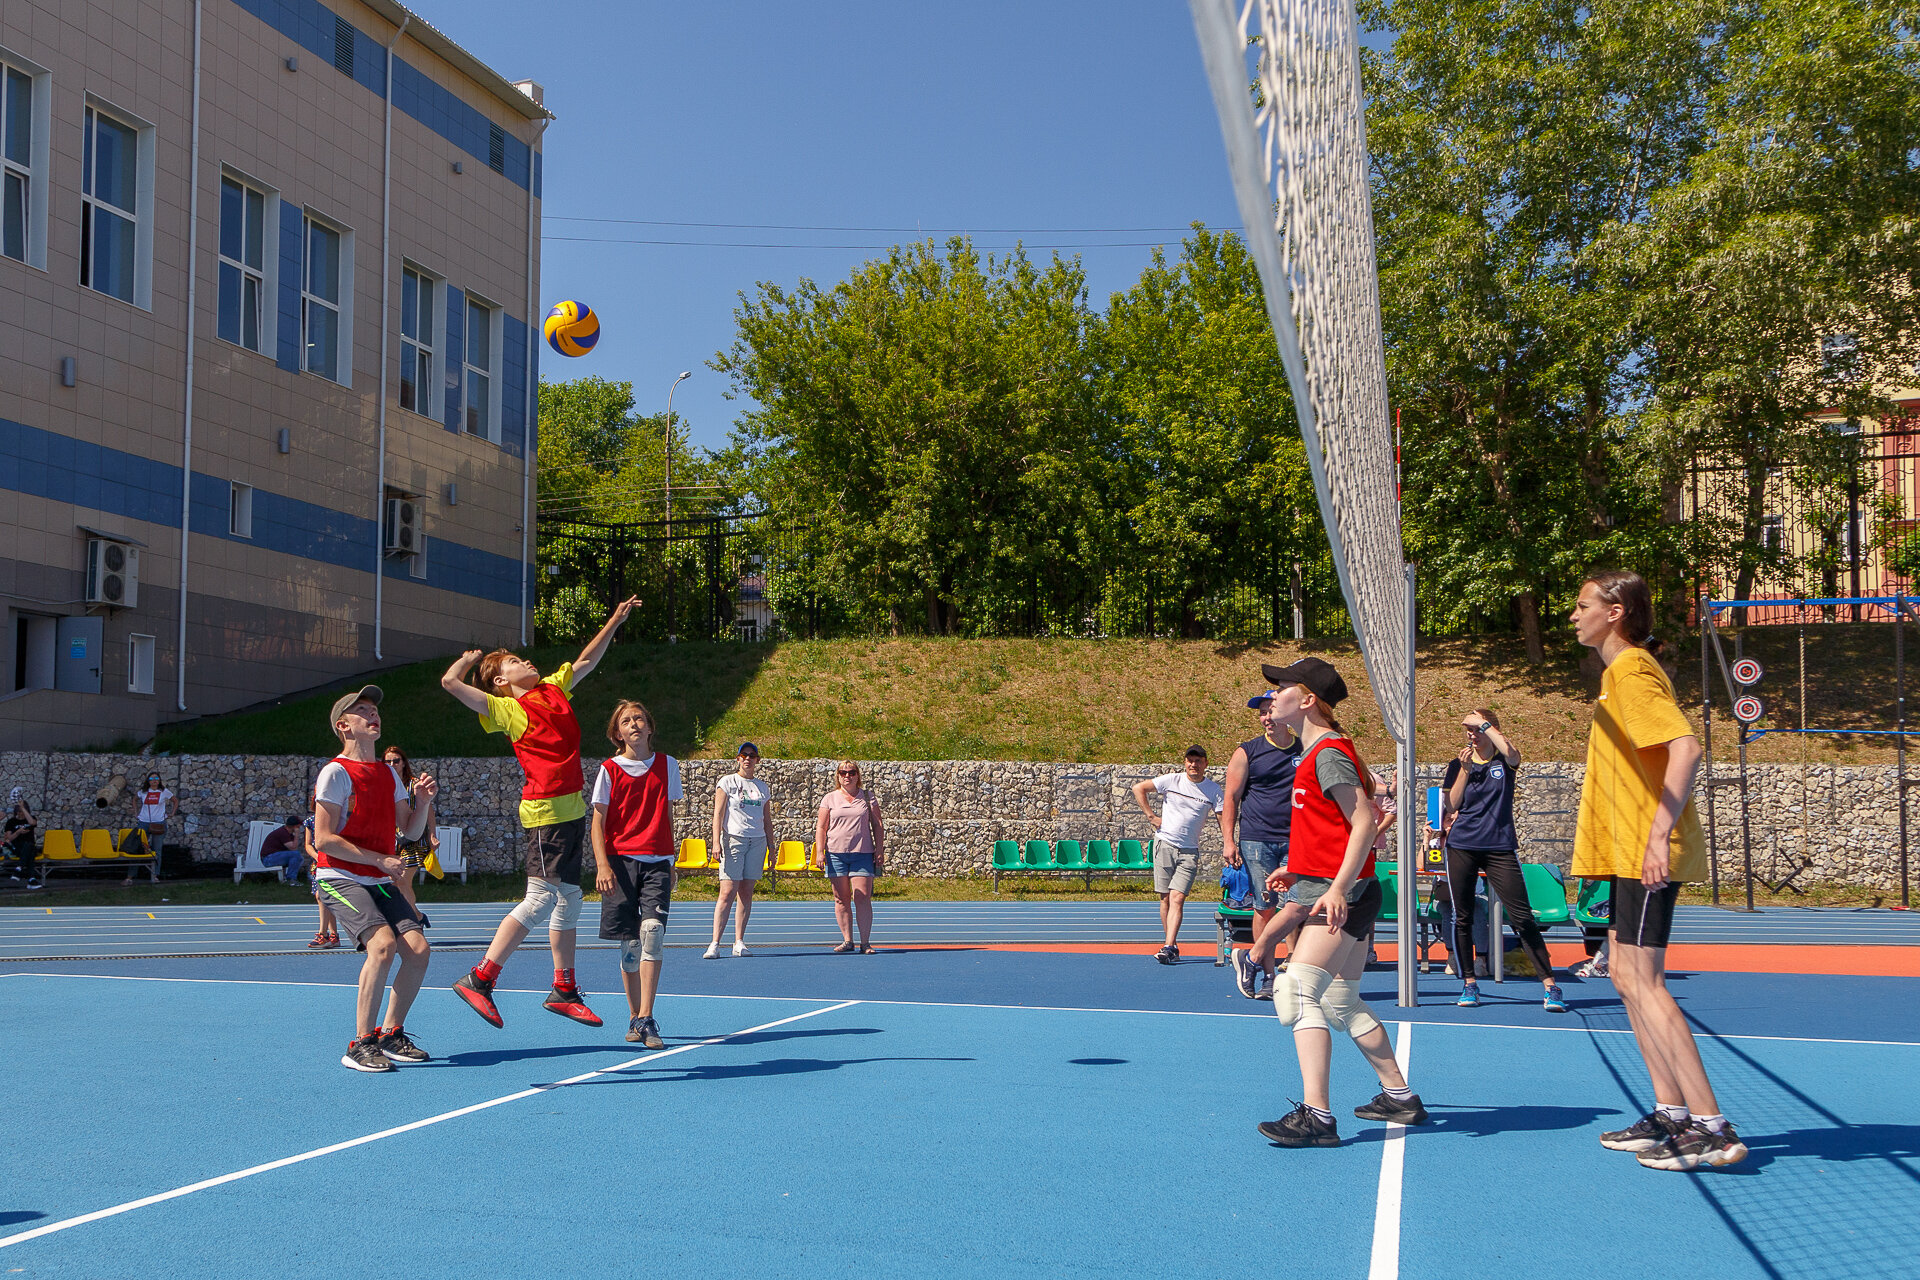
{"x": 1363, "y": 911}
{"x": 362, "y": 910}
{"x": 1643, "y": 917}
{"x": 553, "y": 852}
{"x": 641, "y": 891}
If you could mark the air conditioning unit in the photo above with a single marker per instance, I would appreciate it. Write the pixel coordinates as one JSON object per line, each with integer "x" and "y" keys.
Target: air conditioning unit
{"x": 403, "y": 526}
{"x": 113, "y": 573}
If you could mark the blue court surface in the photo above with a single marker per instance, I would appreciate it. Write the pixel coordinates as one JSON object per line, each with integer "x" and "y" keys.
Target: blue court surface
{"x": 934, "y": 1112}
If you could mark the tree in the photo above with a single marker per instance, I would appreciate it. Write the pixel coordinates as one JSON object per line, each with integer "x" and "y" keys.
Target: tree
{"x": 1507, "y": 139}
{"x": 929, "y": 416}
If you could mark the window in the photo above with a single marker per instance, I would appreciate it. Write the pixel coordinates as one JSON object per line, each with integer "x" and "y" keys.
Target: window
{"x": 418, "y": 298}
{"x": 1852, "y": 534}
{"x": 323, "y": 308}
{"x": 116, "y": 184}
{"x": 1773, "y": 532}
{"x": 240, "y": 511}
{"x": 1840, "y": 357}
{"x": 23, "y": 141}
{"x": 139, "y": 664}
{"x": 479, "y": 365}
{"x": 245, "y": 317}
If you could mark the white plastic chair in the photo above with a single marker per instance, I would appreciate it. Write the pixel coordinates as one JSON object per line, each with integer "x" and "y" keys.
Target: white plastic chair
{"x": 257, "y": 833}
{"x": 452, "y": 858}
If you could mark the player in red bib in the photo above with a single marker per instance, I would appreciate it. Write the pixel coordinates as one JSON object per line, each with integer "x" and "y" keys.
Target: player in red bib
{"x": 633, "y": 847}
{"x": 1330, "y": 864}
{"x": 359, "y": 805}
{"x": 536, "y": 714}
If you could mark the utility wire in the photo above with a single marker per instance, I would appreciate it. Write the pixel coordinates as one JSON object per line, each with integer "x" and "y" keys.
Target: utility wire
{"x": 736, "y": 244}
{"x": 783, "y": 226}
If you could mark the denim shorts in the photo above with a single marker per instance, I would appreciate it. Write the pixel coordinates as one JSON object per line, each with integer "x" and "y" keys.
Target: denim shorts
{"x": 1263, "y": 858}
{"x": 849, "y": 864}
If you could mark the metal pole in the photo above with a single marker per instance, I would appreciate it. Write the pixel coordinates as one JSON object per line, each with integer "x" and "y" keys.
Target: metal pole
{"x": 667, "y": 444}
{"x": 1900, "y": 722}
{"x": 1407, "y": 927}
{"x": 1706, "y": 732}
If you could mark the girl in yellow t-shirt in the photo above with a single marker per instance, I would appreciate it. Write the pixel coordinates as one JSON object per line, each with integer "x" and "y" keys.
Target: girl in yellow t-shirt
{"x": 1637, "y": 826}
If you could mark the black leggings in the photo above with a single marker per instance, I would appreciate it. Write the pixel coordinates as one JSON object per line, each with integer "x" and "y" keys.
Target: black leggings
{"x": 20, "y": 845}
{"x": 1502, "y": 868}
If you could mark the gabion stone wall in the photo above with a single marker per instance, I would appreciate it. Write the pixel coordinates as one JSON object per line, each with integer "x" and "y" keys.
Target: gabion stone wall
{"x": 1838, "y": 823}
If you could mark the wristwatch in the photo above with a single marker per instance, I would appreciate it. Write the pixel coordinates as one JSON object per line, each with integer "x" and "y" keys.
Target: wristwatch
{"x": 1485, "y": 725}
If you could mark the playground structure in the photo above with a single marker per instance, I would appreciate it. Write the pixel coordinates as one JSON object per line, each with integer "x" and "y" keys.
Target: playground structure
{"x": 1741, "y": 677}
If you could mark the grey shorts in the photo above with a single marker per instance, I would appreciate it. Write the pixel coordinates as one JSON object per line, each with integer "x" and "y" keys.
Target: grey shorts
{"x": 1174, "y": 868}
{"x": 1363, "y": 901}
{"x": 743, "y": 857}
{"x": 362, "y": 910}
{"x": 554, "y": 852}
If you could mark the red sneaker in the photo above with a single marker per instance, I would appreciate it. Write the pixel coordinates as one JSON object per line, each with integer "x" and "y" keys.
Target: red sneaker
{"x": 478, "y": 994}
{"x": 571, "y": 1004}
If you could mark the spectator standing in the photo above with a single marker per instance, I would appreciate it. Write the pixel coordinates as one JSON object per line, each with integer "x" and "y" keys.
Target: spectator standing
{"x": 1637, "y": 825}
{"x": 1186, "y": 798}
{"x": 413, "y": 853}
{"x": 154, "y": 804}
{"x": 281, "y": 850}
{"x": 850, "y": 845}
{"x": 18, "y": 839}
{"x": 742, "y": 834}
{"x": 1478, "y": 795}
{"x": 1255, "y": 820}
{"x": 329, "y": 935}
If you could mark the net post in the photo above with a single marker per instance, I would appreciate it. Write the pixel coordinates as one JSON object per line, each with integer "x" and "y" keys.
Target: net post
{"x": 1408, "y": 925}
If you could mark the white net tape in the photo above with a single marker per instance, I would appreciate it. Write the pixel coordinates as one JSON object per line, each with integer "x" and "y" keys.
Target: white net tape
{"x": 1299, "y": 163}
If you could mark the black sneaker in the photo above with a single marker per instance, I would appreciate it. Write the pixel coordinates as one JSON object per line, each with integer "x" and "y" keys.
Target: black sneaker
{"x": 647, "y": 1032}
{"x": 1390, "y": 1109}
{"x": 635, "y": 1032}
{"x": 364, "y": 1054}
{"x": 1696, "y": 1145}
{"x": 1167, "y": 955}
{"x": 1246, "y": 974}
{"x": 478, "y": 993}
{"x": 1301, "y": 1128}
{"x": 399, "y": 1047}
{"x": 1650, "y": 1130}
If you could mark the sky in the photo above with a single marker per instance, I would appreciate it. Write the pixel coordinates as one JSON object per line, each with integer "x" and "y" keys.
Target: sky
{"x": 831, "y": 131}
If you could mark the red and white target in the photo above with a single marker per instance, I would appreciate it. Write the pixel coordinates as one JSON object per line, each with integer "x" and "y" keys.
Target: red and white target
{"x": 1747, "y": 709}
{"x": 1747, "y": 671}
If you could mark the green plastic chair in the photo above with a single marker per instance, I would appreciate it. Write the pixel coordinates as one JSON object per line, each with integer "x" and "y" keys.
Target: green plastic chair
{"x": 1546, "y": 894}
{"x": 1388, "y": 874}
{"x": 1100, "y": 856}
{"x": 1006, "y": 855}
{"x": 1069, "y": 856}
{"x": 1133, "y": 856}
{"x": 1039, "y": 856}
{"x": 1593, "y": 905}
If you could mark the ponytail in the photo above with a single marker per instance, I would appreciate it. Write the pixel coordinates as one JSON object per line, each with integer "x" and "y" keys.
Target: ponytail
{"x": 1629, "y": 590}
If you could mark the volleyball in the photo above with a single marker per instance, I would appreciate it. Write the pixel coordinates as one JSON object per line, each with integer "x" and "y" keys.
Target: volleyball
{"x": 572, "y": 328}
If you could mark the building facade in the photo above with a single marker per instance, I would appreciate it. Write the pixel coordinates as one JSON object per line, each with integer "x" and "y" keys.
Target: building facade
{"x": 268, "y": 282}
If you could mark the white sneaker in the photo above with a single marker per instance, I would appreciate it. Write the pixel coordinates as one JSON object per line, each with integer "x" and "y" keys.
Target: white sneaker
{"x": 740, "y": 949}
{"x": 711, "y": 953}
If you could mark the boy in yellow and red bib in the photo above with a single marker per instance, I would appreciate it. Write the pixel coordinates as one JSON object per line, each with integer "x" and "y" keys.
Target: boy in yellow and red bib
{"x": 358, "y": 805}
{"x": 536, "y": 714}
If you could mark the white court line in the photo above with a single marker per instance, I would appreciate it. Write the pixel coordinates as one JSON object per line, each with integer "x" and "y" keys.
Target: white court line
{"x": 961, "y": 1004}
{"x": 1393, "y": 1163}
{"x": 68, "y": 1223}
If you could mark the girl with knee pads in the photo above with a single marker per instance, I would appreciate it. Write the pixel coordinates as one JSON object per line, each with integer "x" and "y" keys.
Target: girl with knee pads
{"x": 633, "y": 848}
{"x": 1332, "y": 854}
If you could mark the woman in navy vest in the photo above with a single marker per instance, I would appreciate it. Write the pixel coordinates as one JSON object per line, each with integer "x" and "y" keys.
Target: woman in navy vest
{"x": 1480, "y": 840}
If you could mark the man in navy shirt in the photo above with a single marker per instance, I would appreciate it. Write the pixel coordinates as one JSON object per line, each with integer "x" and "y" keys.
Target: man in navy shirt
{"x": 1256, "y": 821}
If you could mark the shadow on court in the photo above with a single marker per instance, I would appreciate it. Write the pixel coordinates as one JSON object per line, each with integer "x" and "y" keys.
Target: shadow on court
{"x": 677, "y": 1074}
{"x": 494, "y": 1057}
{"x": 1469, "y": 1121}
{"x": 10, "y": 1216}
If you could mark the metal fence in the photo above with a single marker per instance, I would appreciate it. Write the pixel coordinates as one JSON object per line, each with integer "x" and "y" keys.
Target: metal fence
{"x": 751, "y": 578}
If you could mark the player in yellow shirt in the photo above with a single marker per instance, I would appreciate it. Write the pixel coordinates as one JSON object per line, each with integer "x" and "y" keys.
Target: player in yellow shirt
{"x": 1637, "y": 825}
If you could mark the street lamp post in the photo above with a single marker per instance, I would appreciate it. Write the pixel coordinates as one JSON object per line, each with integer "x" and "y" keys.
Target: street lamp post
{"x": 671, "y": 611}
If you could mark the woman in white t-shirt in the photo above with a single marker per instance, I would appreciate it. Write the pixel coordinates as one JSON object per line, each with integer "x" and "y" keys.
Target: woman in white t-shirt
{"x": 742, "y": 834}
{"x": 153, "y": 804}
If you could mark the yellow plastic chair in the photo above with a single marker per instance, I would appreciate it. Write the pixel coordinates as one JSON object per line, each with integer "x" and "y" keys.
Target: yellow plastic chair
{"x": 791, "y": 856}
{"x": 60, "y": 847}
{"x": 693, "y": 855}
{"x": 97, "y": 843}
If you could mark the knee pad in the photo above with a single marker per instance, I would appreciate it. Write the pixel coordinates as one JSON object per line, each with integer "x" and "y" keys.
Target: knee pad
{"x": 1346, "y": 1010}
{"x": 566, "y": 909}
{"x": 630, "y": 957}
{"x": 538, "y": 905}
{"x": 1296, "y": 997}
{"x": 653, "y": 935}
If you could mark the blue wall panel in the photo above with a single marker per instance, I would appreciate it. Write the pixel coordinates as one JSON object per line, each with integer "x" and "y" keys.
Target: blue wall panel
{"x": 287, "y": 353}
{"x": 513, "y": 383}
{"x": 456, "y": 356}
{"x": 62, "y": 469}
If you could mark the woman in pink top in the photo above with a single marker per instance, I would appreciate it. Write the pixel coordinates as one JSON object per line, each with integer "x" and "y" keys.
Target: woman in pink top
{"x": 850, "y": 845}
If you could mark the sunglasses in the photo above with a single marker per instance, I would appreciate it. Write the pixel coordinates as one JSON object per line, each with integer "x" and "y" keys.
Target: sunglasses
{"x": 848, "y": 773}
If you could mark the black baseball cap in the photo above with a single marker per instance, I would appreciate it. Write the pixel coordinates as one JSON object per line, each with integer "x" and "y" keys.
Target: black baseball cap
{"x": 1317, "y": 674}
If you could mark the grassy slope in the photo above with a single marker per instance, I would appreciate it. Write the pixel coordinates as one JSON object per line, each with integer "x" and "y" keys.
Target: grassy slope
{"x": 1076, "y": 700}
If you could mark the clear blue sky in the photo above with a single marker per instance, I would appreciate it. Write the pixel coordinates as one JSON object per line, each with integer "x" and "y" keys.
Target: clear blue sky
{"x": 1008, "y": 120}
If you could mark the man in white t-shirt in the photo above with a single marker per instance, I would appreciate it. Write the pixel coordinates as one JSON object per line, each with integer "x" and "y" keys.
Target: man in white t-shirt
{"x": 1185, "y": 800}
{"x": 742, "y": 834}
